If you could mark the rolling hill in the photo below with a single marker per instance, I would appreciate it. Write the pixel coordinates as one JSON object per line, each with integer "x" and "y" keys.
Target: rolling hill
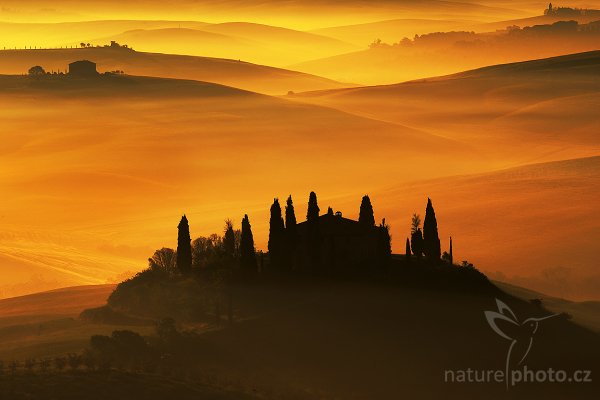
{"x": 143, "y": 147}
{"x": 391, "y": 31}
{"x": 585, "y": 313}
{"x": 502, "y": 222}
{"x": 47, "y": 34}
{"x": 548, "y": 103}
{"x": 235, "y": 73}
{"x": 341, "y": 340}
{"x": 46, "y": 323}
{"x": 442, "y": 53}
{"x": 261, "y": 44}
{"x": 593, "y": 15}
{"x": 295, "y": 13}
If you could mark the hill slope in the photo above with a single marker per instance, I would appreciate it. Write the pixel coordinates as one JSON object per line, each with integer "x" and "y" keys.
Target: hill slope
{"x": 65, "y": 302}
{"x": 442, "y": 53}
{"x": 235, "y": 73}
{"x": 148, "y": 146}
{"x": 503, "y": 221}
{"x": 46, "y": 34}
{"x": 390, "y": 31}
{"x": 549, "y": 104}
{"x": 360, "y": 340}
{"x": 261, "y": 44}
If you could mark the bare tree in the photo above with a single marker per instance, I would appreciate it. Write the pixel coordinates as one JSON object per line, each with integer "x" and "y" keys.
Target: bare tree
{"x": 164, "y": 259}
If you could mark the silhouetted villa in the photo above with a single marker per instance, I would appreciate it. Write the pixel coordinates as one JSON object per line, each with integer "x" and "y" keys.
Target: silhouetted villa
{"x": 343, "y": 243}
{"x": 83, "y": 68}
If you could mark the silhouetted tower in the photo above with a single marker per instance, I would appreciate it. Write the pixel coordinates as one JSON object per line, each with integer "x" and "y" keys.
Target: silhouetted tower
{"x": 431, "y": 240}
{"x": 276, "y": 236}
{"x": 184, "y": 247}
{"x": 451, "y": 256}
{"x": 247, "y": 251}
{"x": 366, "y": 215}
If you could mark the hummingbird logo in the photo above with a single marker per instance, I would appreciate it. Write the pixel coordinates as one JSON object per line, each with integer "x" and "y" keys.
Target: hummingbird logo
{"x": 505, "y": 323}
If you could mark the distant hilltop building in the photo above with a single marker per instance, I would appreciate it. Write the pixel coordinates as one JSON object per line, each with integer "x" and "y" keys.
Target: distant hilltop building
{"x": 570, "y": 12}
{"x": 83, "y": 69}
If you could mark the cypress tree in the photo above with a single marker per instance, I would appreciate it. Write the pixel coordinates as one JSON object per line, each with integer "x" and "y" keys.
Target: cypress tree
{"x": 313, "y": 208}
{"x": 366, "y": 215}
{"x": 313, "y": 240}
{"x": 416, "y": 241}
{"x": 291, "y": 232}
{"x": 276, "y": 236}
{"x": 290, "y": 215}
{"x": 329, "y": 211}
{"x": 184, "y": 247}
{"x": 451, "y": 255}
{"x": 384, "y": 243}
{"x": 407, "y": 249}
{"x": 229, "y": 239}
{"x": 247, "y": 251}
{"x": 431, "y": 240}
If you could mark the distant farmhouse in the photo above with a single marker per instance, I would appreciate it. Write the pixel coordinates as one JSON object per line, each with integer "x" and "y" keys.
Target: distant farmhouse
{"x": 83, "y": 69}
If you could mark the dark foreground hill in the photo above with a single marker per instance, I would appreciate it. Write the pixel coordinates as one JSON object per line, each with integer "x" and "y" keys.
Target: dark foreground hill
{"x": 344, "y": 339}
{"x": 371, "y": 342}
{"x": 369, "y": 338}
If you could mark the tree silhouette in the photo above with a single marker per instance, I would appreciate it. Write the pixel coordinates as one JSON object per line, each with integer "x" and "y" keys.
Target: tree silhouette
{"x": 291, "y": 231}
{"x": 290, "y": 215}
{"x": 407, "y": 250}
{"x": 384, "y": 243}
{"x": 451, "y": 255}
{"x": 416, "y": 242}
{"x": 366, "y": 216}
{"x": 184, "y": 247}
{"x": 313, "y": 241}
{"x": 431, "y": 240}
{"x": 164, "y": 259}
{"x": 313, "y": 208}
{"x": 276, "y": 236}
{"x": 415, "y": 223}
{"x": 36, "y": 71}
{"x": 229, "y": 239}
{"x": 247, "y": 251}
{"x": 329, "y": 211}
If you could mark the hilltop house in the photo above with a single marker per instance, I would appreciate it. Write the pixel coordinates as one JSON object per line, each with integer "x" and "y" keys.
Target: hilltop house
{"x": 83, "y": 69}
{"x": 343, "y": 243}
